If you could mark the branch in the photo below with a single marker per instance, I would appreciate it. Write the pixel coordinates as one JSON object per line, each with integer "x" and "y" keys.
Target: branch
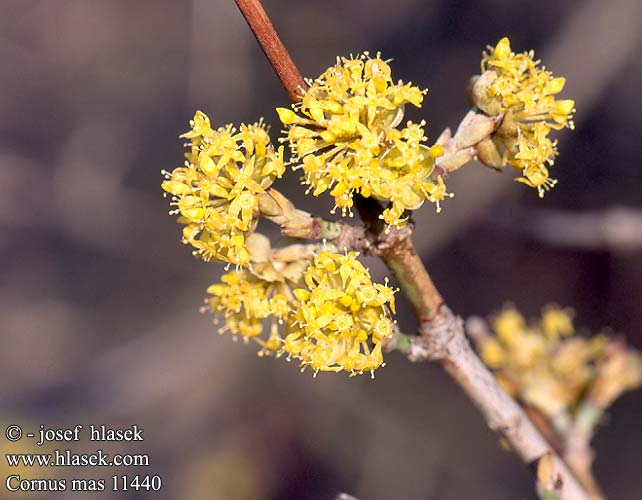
{"x": 398, "y": 252}
{"x": 296, "y": 223}
{"x": 402, "y": 259}
{"x": 617, "y": 229}
{"x": 443, "y": 340}
{"x": 273, "y": 48}
{"x": 570, "y": 436}
{"x": 442, "y": 336}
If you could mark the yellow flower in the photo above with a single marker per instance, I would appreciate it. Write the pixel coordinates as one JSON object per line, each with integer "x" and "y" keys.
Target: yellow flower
{"x": 573, "y": 358}
{"x": 529, "y": 350}
{"x": 547, "y": 394}
{"x": 328, "y": 314}
{"x": 618, "y": 370}
{"x": 245, "y": 301}
{"x": 557, "y": 322}
{"x": 509, "y": 325}
{"x": 523, "y": 92}
{"x": 247, "y": 298}
{"x": 344, "y": 136}
{"x": 524, "y": 89}
{"x": 341, "y": 316}
{"x": 544, "y": 370}
{"x": 493, "y": 353}
{"x": 216, "y": 192}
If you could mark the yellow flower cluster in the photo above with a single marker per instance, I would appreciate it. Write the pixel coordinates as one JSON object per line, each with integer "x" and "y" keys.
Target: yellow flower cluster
{"x": 517, "y": 87}
{"x": 341, "y": 318}
{"x": 333, "y": 319}
{"x": 246, "y": 300}
{"x": 545, "y": 365}
{"x": 216, "y": 192}
{"x": 618, "y": 370}
{"x": 344, "y": 136}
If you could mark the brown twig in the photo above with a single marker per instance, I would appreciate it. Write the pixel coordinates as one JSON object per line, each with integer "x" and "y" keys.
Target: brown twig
{"x": 442, "y": 337}
{"x": 397, "y": 250}
{"x": 402, "y": 259}
{"x": 272, "y": 46}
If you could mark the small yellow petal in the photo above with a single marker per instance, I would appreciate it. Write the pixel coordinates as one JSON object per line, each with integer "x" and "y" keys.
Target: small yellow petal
{"x": 287, "y": 116}
{"x": 436, "y": 150}
{"x": 502, "y": 49}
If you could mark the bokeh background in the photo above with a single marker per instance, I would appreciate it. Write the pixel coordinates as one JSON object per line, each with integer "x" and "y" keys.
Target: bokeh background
{"x": 99, "y": 300}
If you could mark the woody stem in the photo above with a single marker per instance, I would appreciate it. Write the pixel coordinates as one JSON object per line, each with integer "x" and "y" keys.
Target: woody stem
{"x": 273, "y": 48}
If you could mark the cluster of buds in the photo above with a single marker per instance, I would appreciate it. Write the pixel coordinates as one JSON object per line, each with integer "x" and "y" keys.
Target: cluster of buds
{"x": 549, "y": 368}
{"x": 345, "y": 134}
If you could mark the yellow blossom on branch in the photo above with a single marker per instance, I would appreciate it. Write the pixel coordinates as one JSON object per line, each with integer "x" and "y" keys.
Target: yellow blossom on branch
{"x": 323, "y": 308}
{"x": 532, "y": 363}
{"x": 341, "y": 317}
{"x": 216, "y": 192}
{"x": 245, "y": 301}
{"x": 545, "y": 365}
{"x": 618, "y": 370}
{"x": 344, "y": 135}
{"x": 516, "y": 87}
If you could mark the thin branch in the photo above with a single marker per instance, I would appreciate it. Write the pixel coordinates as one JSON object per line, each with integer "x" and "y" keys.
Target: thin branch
{"x": 295, "y": 223}
{"x": 617, "y": 229}
{"x": 442, "y": 337}
{"x": 398, "y": 252}
{"x": 272, "y": 46}
{"x": 570, "y": 436}
{"x": 478, "y": 331}
{"x": 443, "y": 340}
{"x": 402, "y": 259}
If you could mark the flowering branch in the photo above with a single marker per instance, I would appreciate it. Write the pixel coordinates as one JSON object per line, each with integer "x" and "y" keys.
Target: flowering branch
{"x": 441, "y": 335}
{"x": 565, "y": 381}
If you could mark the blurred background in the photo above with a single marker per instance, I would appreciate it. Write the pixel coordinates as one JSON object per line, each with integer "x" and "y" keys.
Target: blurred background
{"x": 99, "y": 300}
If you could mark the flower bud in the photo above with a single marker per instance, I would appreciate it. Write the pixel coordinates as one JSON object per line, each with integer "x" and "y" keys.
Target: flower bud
{"x": 474, "y": 128}
{"x": 452, "y": 161}
{"x": 489, "y": 154}
{"x": 482, "y": 97}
